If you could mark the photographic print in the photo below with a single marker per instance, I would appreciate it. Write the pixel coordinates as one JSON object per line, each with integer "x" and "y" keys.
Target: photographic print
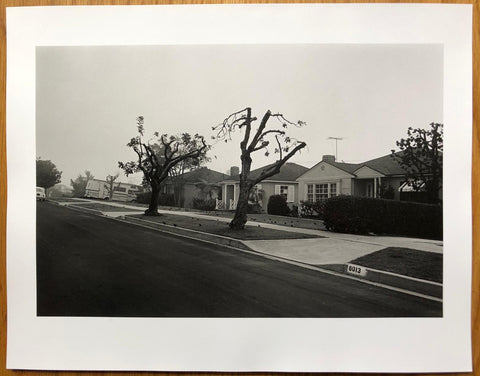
{"x": 240, "y": 180}
{"x": 239, "y": 188}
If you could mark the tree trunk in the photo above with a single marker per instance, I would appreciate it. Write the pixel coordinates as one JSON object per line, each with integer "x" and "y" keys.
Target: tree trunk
{"x": 153, "y": 206}
{"x": 240, "y": 218}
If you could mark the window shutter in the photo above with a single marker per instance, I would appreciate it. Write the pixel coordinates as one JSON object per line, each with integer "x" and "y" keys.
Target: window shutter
{"x": 291, "y": 193}
{"x": 277, "y": 189}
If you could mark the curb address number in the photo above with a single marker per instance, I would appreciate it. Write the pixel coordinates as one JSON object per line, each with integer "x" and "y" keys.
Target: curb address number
{"x": 356, "y": 270}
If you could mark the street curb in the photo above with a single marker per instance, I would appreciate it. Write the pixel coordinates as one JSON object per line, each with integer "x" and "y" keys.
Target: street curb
{"x": 218, "y": 239}
{"x": 397, "y": 280}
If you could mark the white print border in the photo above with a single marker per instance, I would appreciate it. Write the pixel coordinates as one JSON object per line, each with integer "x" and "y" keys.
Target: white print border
{"x": 301, "y": 345}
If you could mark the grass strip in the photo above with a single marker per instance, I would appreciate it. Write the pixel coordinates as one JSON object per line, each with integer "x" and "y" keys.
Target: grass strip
{"x": 217, "y": 227}
{"x": 105, "y": 207}
{"x": 405, "y": 261}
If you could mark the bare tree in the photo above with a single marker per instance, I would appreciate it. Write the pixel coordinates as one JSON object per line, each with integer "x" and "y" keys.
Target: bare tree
{"x": 110, "y": 184}
{"x": 156, "y": 159}
{"x": 253, "y": 141}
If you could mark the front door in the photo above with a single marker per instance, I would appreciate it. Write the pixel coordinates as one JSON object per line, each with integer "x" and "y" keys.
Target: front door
{"x": 230, "y": 194}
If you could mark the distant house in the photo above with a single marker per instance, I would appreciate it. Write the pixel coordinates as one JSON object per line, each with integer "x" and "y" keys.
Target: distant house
{"x": 201, "y": 183}
{"x": 60, "y": 190}
{"x": 284, "y": 183}
{"x": 372, "y": 178}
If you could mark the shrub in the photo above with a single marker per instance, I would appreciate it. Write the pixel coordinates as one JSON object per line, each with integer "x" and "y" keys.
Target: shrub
{"x": 163, "y": 199}
{"x": 306, "y": 208}
{"x": 166, "y": 200}
{"x": 206, "y": 205}
{"x": 361, "y": 215}
{"x": 254, "y": 209}
{"x": 277, "y": 205}
{"x": 310, "y": 209}
{"x": 293, "y": 210}
{"x": 387, "y": 192}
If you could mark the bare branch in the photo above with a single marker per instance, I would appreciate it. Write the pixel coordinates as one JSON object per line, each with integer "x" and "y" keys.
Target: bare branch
{"x": 260, "y": 129}
{"x": 263, "y": 145}
{"x": 279, "y": 146}
{"x": 275, "y": 168}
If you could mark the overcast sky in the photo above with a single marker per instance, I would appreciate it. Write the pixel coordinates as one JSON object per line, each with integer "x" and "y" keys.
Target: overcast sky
{"x": 89, "y": 97}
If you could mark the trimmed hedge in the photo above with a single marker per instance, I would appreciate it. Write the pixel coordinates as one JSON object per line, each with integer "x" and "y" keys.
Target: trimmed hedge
{"x": 277, "y": 205}
{"x": 362, "y": 215}
{"x": 163, "y": 199}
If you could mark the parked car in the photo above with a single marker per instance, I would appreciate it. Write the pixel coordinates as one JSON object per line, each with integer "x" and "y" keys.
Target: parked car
{"x": 41, "y": 194}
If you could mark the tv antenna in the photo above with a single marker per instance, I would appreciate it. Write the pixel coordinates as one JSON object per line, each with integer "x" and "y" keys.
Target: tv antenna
{"x": 336, "y": 144}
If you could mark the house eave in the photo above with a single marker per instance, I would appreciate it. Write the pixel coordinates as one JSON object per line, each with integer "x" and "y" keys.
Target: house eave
{"x": 318, "y": 164}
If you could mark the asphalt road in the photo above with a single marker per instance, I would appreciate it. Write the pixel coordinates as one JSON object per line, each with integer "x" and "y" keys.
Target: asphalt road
{"x": 93, "y": 266}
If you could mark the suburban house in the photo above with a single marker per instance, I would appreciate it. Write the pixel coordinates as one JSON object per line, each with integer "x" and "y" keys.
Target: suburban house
{"x": 201, "y": 183}
{"x": 284, "y": 183}
{"x": 380, "y": 177}
{"x": 372, "y": 178}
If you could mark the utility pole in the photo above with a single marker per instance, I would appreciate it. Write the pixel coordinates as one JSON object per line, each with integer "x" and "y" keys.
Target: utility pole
{"x": 336, "y": 144}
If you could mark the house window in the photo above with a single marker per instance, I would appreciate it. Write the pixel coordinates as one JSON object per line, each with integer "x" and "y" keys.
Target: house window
{"x": 286, "y": 191}
{"x": 310, "y": 192}
{"x": 333, "y": 189}
{"x": 320, "y": 192}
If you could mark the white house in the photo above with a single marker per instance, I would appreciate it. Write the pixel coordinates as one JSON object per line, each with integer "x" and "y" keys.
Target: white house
{"x": 372, "y": 178}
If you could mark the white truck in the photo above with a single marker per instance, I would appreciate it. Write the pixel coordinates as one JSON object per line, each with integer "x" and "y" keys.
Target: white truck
{"x": 121, "y": 191}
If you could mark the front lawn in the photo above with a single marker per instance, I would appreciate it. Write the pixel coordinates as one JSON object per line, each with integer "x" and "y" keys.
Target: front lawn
{"x": 313, "y": 224}
{"x": 405, "y": 261}
{"x": 217, "y": 227}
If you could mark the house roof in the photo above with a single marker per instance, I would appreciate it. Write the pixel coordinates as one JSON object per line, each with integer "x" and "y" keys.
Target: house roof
{"x": 347, "y": 167}
{"x": 386, "y": 165}
{"x": 203, "y": 174}
{"x": 288, "y": 172}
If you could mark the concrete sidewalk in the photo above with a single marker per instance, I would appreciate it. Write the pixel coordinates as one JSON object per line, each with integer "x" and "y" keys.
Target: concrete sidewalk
{"x": 333, "y": 248}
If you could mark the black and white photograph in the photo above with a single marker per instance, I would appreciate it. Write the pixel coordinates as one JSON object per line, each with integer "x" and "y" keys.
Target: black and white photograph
{"x": 239, "y": 188}
{"x": 239, "y": 180}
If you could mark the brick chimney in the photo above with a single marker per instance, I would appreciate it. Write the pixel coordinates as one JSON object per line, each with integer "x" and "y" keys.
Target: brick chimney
{"x": 234, "y": 171}
{"x": 328, "y": 158}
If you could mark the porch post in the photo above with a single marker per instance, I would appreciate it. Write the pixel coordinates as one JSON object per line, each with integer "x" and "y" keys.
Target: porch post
{"x": 374, "y": 187}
